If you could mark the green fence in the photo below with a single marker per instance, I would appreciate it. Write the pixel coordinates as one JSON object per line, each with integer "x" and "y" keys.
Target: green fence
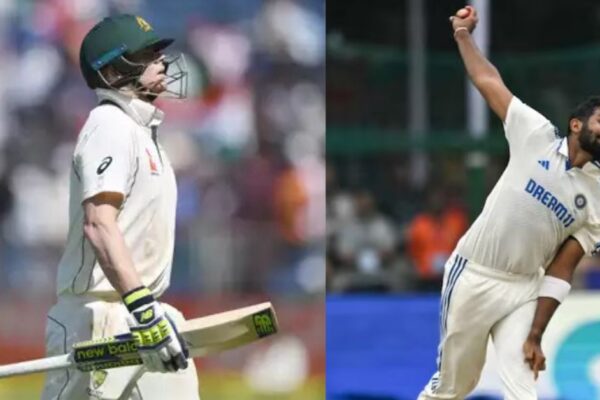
{"x": 367, "y": 96}
{"x": 367, "y": 110}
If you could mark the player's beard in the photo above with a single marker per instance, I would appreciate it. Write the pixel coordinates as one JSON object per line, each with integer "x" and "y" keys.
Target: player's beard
{"x": 588, "y": 142}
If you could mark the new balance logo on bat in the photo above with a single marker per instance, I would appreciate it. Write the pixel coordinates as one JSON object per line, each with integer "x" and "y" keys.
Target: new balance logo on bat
{"x": 545, "y": 164}
{"x": 105, "y": 351}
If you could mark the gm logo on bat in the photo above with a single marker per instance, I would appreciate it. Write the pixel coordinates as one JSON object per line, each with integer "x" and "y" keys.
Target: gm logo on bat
{"x": 263, "y": 323}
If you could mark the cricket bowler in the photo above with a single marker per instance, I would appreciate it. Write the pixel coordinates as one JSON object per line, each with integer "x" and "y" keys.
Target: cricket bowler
{"x": 119, "y": 250}
{"x": 541, "y": 217}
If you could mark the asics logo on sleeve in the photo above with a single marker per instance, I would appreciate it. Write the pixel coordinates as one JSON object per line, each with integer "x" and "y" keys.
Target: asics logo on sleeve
{"x": 104, "y": 164}
{"x": 545, "y": 197}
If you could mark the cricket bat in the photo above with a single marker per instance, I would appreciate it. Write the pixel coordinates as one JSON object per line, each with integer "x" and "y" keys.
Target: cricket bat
{"x": 206, "y": 335}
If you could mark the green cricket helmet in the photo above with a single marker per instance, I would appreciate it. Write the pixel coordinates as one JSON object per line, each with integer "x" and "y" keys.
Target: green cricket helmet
{"x": 111, "y": 40}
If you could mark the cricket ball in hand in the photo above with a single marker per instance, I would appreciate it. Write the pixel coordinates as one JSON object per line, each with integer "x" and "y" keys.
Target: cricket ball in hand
{"x": 463, "y": 13}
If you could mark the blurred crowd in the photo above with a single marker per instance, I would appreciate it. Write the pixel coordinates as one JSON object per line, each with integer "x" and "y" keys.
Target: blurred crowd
{"x": 394, "y": 237}
{"x": 374, "y": 246}
{"x": 247, "y": 146}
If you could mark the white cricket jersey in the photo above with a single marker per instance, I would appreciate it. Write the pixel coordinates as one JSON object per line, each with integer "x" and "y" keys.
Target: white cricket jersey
{"x": 117, "y": 151}
{"x": 538, "y": 202}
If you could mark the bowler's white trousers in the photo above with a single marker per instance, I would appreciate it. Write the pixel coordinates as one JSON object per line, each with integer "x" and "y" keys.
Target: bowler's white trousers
{"x": 479, "y": 302}
{"x": 74, "y": 319}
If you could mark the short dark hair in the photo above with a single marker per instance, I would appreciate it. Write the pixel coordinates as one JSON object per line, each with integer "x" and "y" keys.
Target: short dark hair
{"x": 584, "y": 111}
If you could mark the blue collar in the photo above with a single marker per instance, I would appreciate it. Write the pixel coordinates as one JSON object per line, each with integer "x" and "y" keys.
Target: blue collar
{"x": 563, "y": 148}
{"x": 591, "y": 168}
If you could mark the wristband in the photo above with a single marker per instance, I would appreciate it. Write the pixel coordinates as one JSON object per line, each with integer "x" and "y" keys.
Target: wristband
{"x": 137, "y": 297}
{"x": 555, "y": 288}
{"x": 461, "y": 28}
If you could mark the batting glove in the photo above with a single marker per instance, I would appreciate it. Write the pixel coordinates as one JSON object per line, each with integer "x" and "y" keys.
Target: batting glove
{"x": 161, "y": 347}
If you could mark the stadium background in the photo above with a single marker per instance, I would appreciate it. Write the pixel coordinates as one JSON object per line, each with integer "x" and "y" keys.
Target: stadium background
{"x": 406, "y": 175}
{"x": 248, "y": 152}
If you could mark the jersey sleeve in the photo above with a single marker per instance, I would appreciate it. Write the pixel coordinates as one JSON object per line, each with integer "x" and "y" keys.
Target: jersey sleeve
{"x": 105, "y": 161}
{"x": 525, "y": 127}
{"x": 589, "y": 238}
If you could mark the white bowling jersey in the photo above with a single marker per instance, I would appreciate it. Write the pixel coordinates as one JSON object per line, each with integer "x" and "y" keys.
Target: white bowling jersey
{"x": 117, "y": 151}
{"x": 538, "y": 202}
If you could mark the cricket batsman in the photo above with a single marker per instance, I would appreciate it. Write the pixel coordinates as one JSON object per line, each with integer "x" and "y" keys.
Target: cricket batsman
{"x": 539, "y": 220}
{"x": 118, "y": 257}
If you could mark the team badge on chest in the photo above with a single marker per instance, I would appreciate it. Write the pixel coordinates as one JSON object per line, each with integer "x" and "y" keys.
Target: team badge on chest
{"x": 153, "y": 164}
{"x": 580, "y": 201}
{"x": 98, "y": 378}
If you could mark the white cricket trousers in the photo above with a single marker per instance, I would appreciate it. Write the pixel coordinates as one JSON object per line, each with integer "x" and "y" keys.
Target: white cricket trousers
{"x": 478, "y": 302}
{"x": 74, "y": 319}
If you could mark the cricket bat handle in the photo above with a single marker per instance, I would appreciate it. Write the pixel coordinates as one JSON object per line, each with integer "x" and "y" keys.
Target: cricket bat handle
{"x": 110, "y": 352}
{"x": 33, "y": 366}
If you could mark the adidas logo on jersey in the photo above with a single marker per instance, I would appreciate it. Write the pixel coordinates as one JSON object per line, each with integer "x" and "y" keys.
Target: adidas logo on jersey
{"x": 545, "y": 164}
